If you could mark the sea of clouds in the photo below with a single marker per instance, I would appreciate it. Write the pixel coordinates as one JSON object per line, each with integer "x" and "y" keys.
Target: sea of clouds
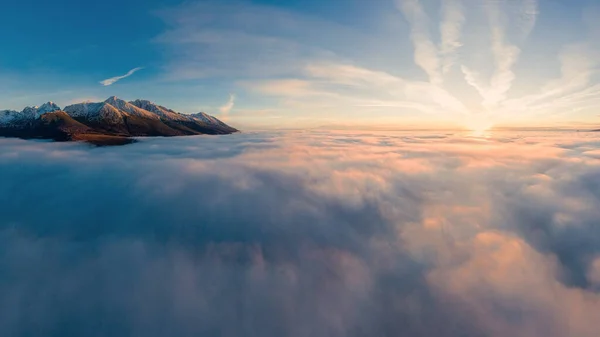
{"x": 316, "y": 233}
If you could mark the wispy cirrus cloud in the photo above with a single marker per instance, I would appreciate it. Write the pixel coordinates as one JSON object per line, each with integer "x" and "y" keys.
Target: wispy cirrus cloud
{"x": 450, "y": 31}
{"x": 579, "y": 63}
{"x": 504, "y": 53}
{"x": 302, "y": 63}
{"x": 227, "y": 107}
{"x": 576, "y": 90}
{"x": 426, "y": 52}
{"x": 113, "y": 80}
{"x": 435, "y": 60}
{"x": 352, "y": 89}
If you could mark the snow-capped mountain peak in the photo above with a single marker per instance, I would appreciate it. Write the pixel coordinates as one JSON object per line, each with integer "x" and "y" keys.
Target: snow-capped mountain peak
{"x": 27, "y": 114}
{"x": 47, "y": 107}
{"x": 115, "y": 101}
{"x": 9, "y": 116}
{"x": 115, "y": 112}
{"x": 159, "y": 110}
{"x": 206, "y": 118}
{"x": 147, "y": 105}
{"x": 95, "y": 112}
{"x": 30, "y": 111}
{"x": 35, "y": 111}
{"x": 130, "y": 108}
{"x": 168, "y": 114}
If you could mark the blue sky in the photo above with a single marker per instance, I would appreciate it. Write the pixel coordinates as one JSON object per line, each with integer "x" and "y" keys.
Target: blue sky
{"x": 294, "y": 63}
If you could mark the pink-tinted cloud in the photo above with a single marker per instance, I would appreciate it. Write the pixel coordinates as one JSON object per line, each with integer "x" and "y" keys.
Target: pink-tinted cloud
{"x": 302, "y": 233}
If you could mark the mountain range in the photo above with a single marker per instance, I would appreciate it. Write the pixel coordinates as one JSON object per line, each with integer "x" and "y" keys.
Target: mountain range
{"x": 112, "y": 122}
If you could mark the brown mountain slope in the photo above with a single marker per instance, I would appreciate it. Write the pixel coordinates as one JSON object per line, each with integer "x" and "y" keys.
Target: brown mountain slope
{"x": 59, "y": 126}
{"x": 55, "y": 125}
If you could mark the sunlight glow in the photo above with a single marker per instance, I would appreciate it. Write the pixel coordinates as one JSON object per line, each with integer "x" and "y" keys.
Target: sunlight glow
{"x": 479, "y": 125}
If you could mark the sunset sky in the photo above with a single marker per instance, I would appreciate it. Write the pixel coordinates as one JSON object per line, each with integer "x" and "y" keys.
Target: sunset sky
{"x": 379, "y": 63}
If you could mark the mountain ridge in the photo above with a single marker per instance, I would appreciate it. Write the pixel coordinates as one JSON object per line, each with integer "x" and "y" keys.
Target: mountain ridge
{"x": 111, "y": 122}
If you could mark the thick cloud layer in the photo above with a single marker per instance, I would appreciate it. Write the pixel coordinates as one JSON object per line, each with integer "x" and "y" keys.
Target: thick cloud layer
{"x": 302, "y": 234}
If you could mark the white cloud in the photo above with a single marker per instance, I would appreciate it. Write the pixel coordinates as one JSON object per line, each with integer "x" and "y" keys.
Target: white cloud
{"x": 450, "y": 31}
{"x": 298, "y": 62}
{"x": 112, "y": 80}
{"x": 505, "y": 56}
{"x": 573, "y": 91}
{"x": 426, "y": 52}
{"x": 226, "y": 108}
{"x": 351, "y": 87}
{"x": 435, "y": 61}
{"x": 504, "y": 53}
{"x": 245, "y": 235}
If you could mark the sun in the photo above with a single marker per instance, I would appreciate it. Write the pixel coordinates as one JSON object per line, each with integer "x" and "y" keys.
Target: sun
{"x": 478, "y": 125}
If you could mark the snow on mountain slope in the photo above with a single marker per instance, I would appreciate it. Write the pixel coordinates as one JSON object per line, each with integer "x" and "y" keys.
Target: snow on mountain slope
{"x": 160, "y": 110}
{"x": 112, "y": 111}
{"x": 86, "y": 109}
{"x": 30, "y": 112}
{"x": 47, "y": 107}
{"x": 206, "y": 118}
{"x": 95, "y": 112}
{"x": 169, "y": 114}
{"x": 8, "y": 117}
{"x": 130, "y": 108}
